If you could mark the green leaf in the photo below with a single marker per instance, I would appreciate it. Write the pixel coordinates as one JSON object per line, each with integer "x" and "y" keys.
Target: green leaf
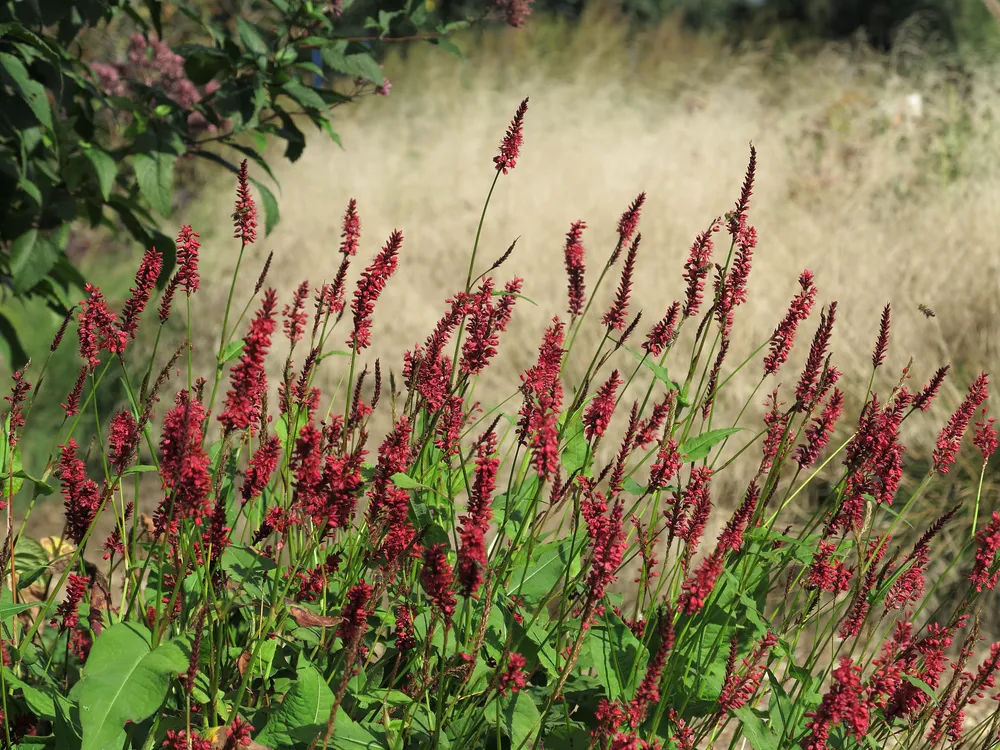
{"x": 32, "y": 91}
{"x": 124, "y": 679}
{"x": 306, "y": 708}
{"x": 10, "y": 344}
{"x": 8, "y": 610}
{"x": 40, "y": 702}
{"x": 271, "y": 213}
{"x": 304, "y": 95}
{"x": 576, "y": 455}
{"x": 31, "y": 259}
{"x": 551, "y": 561}
{"x": 138, "y": 469}
{"x": 617, "y": 654}
{"x": 359, "y": 65}
{"x": 519, "y": 718}
{"x": 155, "y": 175}
{"x": 406, "y": 482}
{"x": 757, "y": 734}
{"x": 700, "y": 446}
{"x": 32, "y": 561}
{"x": 248, "y": 568}
{"x": 232, "y": 351}
{"x": 104, "y": 166}
{"x": 922, "y": 686}
{"x": 250, "y": 37}
{"x": 450, "y": 47}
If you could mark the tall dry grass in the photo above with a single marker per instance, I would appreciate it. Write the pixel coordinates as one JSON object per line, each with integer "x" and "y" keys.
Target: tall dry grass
{"x": 883, "y": 204}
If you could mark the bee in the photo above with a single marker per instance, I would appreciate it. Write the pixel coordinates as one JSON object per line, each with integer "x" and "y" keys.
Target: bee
{"x": 928, "y": 313}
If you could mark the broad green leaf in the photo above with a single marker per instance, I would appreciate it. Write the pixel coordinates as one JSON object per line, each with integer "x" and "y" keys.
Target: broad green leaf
{"x": 304, "y": 95}
{"x": 31, "y": 258}
{"x": 104, "y": 166}
{"x": 251, "y": 37}
{"x": 8, "y": 610}
{"x": 139, "y": 469}
{"x": 756, "y": 732}
{"x": 576, "y": 456}
{"x": 617, "y": 656}
{"x": 359, "y": 65}
{"x": 41, "y": 703}
{"x": 547, "y": 570}
{"x": 32, "y": 91}
{"x": 306, "y": 707}
{"x": 272, "y": 215}
{"x": 232, "y": 351}
{"x": 155, "y": 175}
{"x": 248, "y": 568}
{"x": 124, "y": 679}
{"x": 406, "y": 482}
{"x": 519, "y": 718}
{"x": 700, "y": 446}
{"x": 32, "y": 561}
{"x": 11, "y": 348}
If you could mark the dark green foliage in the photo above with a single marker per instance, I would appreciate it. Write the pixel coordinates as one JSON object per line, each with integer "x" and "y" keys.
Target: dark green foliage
{"x": 90, "y": 141}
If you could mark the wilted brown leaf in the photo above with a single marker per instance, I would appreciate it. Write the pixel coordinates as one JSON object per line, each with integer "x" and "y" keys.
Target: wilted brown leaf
{"x": 307, "y": 619}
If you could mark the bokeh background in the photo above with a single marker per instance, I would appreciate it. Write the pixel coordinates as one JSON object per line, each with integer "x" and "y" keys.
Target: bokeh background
{"x": 876, "y": 125}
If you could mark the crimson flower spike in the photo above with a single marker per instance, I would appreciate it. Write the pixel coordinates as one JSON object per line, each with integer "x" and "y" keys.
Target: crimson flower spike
{"x": 575, "y": 267}
{"x": 370, "y": 286}
{"x": 738, "y": 217}
{"x": 245, "y": 211}
{"x": 352, "y": 230}
{"x": 627, "y": 225}
{"x": 615, "y": 316}
{"x": 882, "y": 342}
{"x": 510, "y": 146}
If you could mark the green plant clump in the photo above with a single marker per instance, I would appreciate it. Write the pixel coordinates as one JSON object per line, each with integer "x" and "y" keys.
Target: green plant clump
{"x": 291, "y": 585}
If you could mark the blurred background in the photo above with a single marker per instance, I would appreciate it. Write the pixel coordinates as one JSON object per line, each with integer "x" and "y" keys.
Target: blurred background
{"x": 876, "y": 125}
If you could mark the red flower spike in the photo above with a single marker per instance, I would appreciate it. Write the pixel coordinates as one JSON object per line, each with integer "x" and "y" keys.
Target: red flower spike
{"x": 295, "y": 315}
{"x": 145, "y": 280}
{"x": 986, "y": 437}
{"x": 989, "y": 543}
{"x": 98, "y": 328}
{"x": 123, "y": 439}
{"x": 882, "y": 342}
{"x": 844, "y": 703}
{"x": 245, "y": 211}
{"x": 784, "y": 335}
{"x": 614, "y": 318}
{"x": 357, "y": 609}
{"x": 627, "y": 225}
{"x": 514, "y": 678}
{"x": 510, "y": 147}
{"x": 18, "y": 392}
{"x": 370, "y": 286}
{"x": 819, "y": 432}
{"x": 598, "y": 415}
{"x": 247, "y": 380}
{"x": 72, "y": 405}
{"x": 950, "y": 438}
{"x": 187, "y": 260}
{"x": 184, "y": 467}
{"x": 926, "y": 396}
{"x": 575, "y": 267}
{"x": 807, "y": 388}
{"x": 436, "y": 578}
{"x": 662, "y": 334}
{"x": 737, "y": 219}
{"x": 67, "y": 614}
{"x": 696, "y": 270}
{"x": 351, "y": 233}
{"x": 475, "y": 523}
{"x": 81, "y": 496}
{"x": 262, "y": 465}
